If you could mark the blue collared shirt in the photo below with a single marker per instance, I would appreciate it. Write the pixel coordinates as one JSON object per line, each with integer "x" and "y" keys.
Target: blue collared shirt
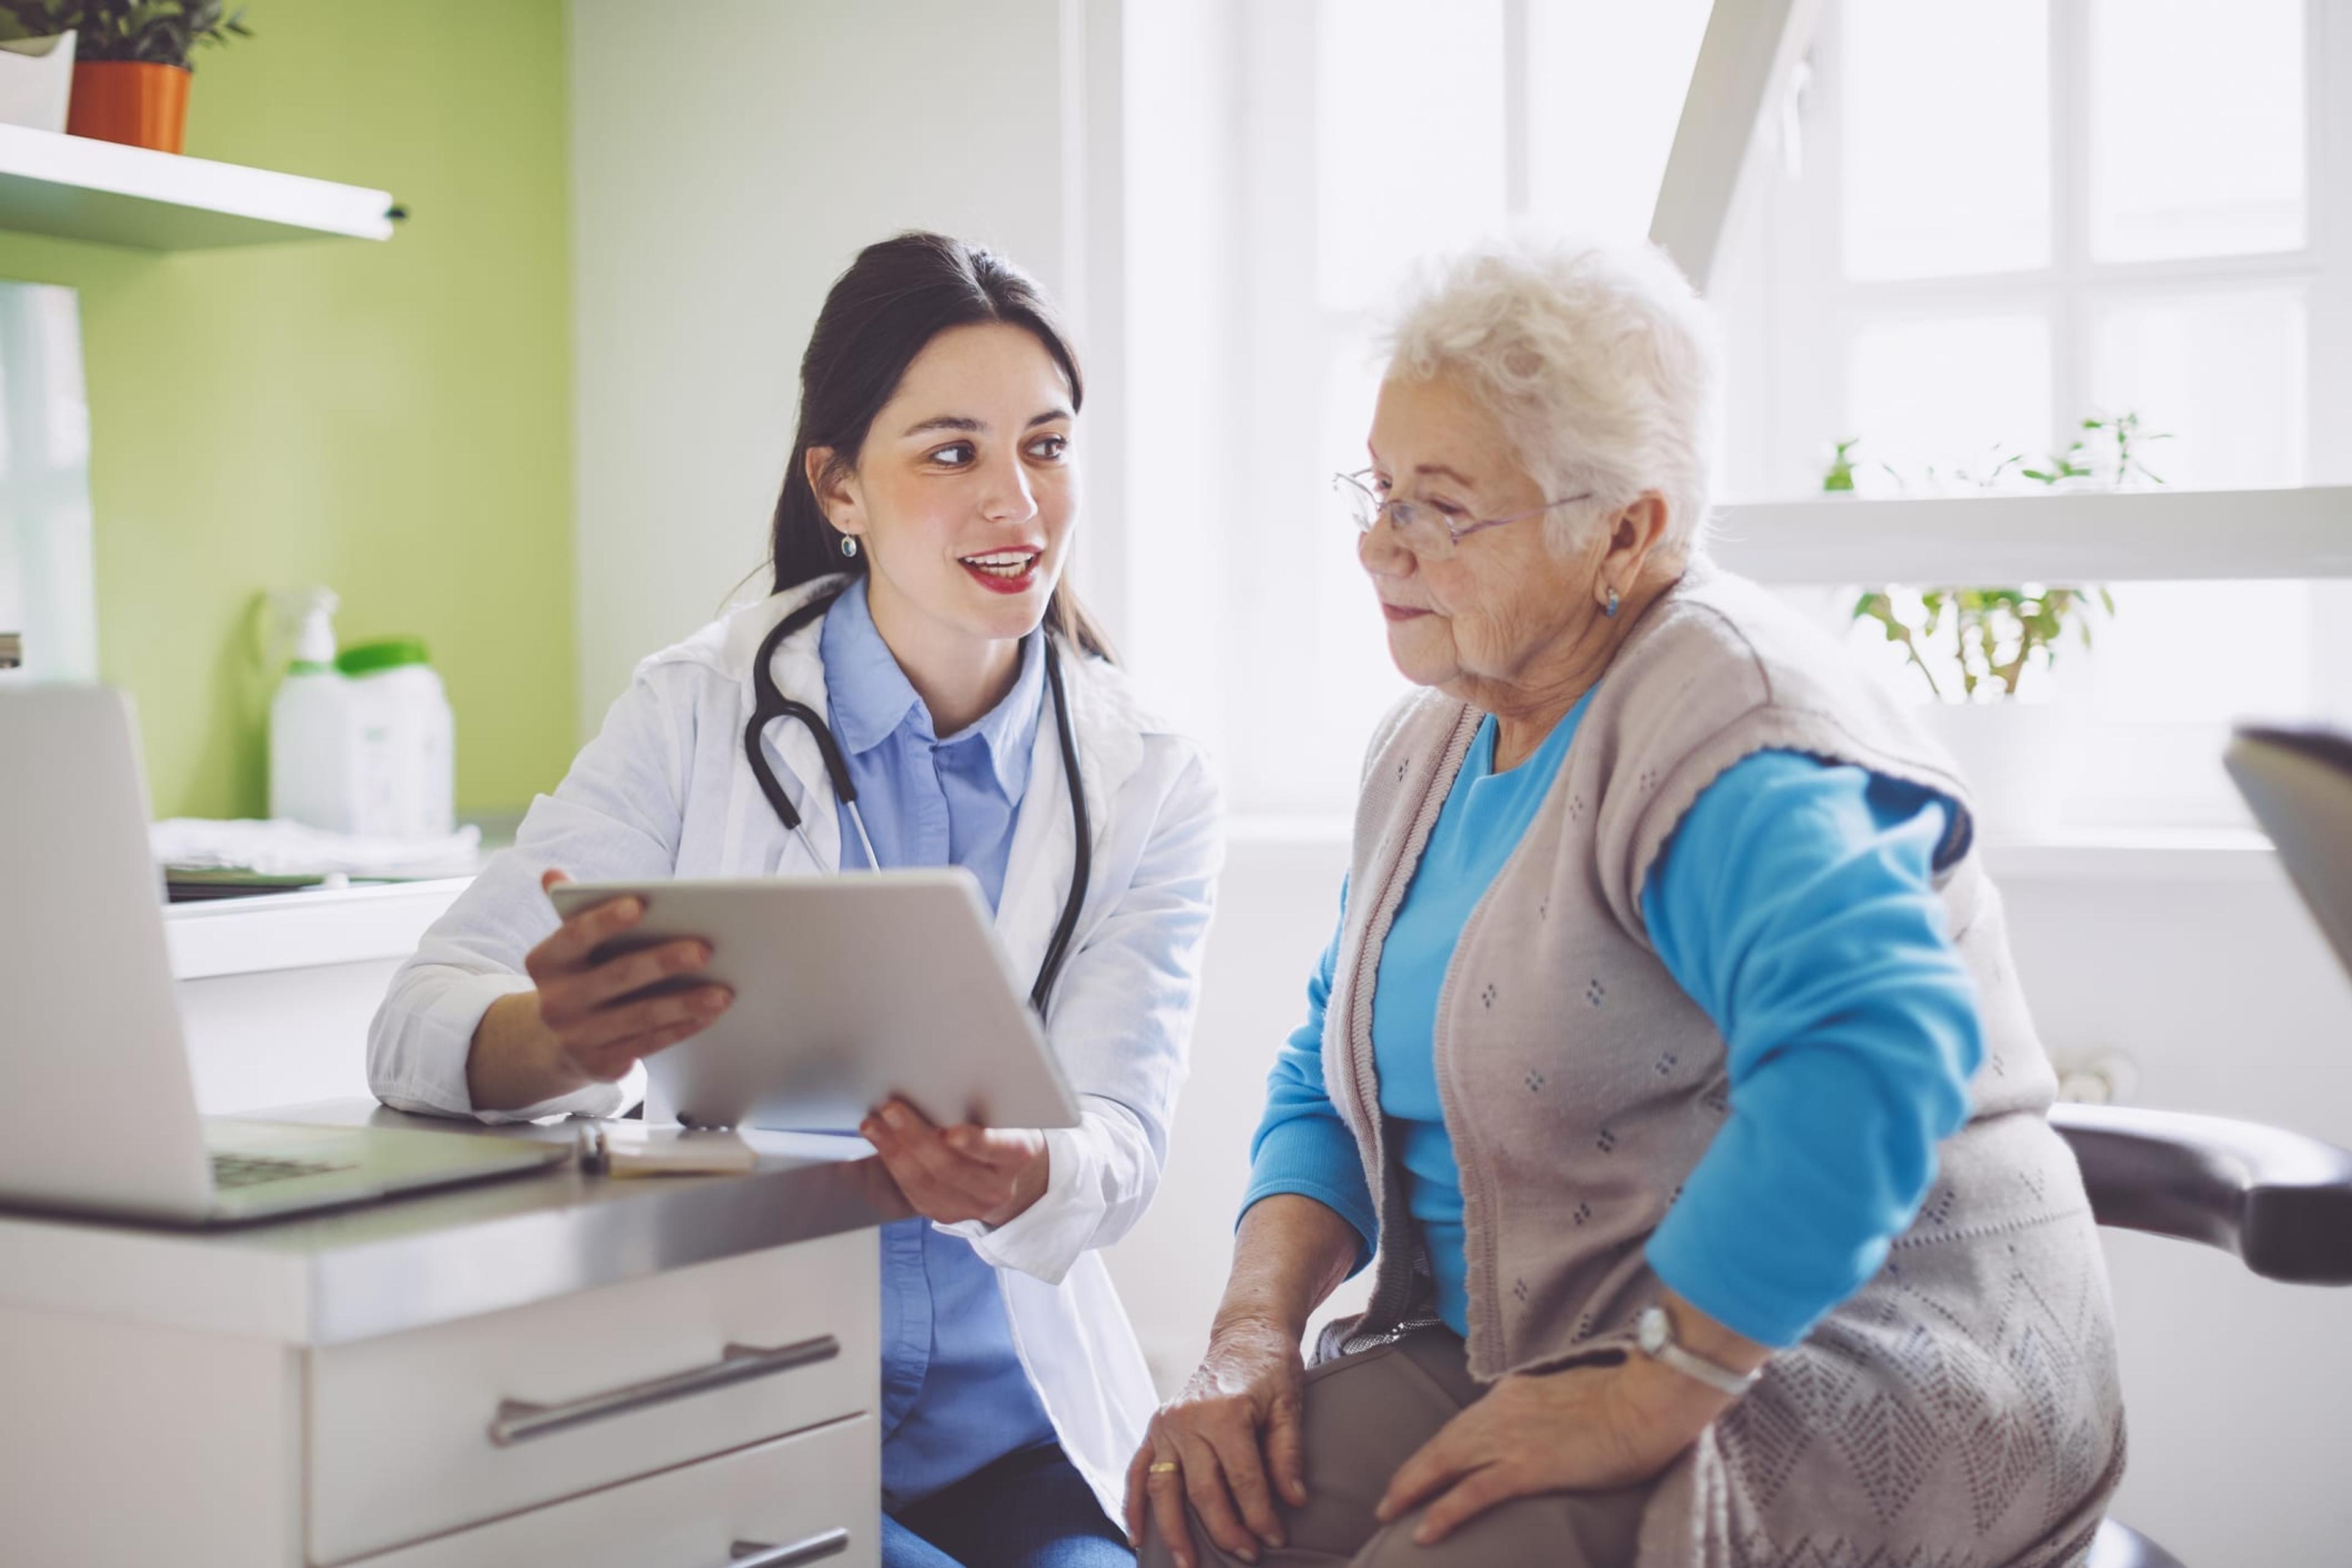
{"x": 954, "y": 1396}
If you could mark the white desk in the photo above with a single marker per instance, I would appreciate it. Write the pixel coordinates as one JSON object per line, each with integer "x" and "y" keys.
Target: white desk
{"x": 658, "y": 1373}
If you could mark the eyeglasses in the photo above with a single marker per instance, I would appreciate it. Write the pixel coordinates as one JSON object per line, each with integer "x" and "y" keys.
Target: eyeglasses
{"x": 1426, "y": 531}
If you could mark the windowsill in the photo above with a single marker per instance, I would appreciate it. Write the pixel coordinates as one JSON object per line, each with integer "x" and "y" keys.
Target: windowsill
{"x": 2296, "y": 532}
{"x": 2084, "y": 853}
{"x": 2135, "y": 855}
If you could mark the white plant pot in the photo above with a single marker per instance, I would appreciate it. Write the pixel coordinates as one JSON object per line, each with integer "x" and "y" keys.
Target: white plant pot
{"x": 36, "y": 82}
{"x": 2016, "y": 758}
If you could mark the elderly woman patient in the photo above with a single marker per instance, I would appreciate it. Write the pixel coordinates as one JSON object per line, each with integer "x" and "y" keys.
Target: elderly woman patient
{"x": 1668, "y": 1051}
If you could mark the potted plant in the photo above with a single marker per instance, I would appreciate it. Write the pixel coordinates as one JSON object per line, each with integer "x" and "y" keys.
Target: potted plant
{"x": 132, "y": 61}
{"x": 1987, "y": 642}
{"x": 1982, "y": 651}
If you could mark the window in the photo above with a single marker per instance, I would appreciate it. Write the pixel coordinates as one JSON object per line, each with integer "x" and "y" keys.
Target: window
{"x": 1986, "y": 223}
{"x": 2008, "y": 215}
{"x": 1969, "y": 226}
{"x": 1368, "y": 133}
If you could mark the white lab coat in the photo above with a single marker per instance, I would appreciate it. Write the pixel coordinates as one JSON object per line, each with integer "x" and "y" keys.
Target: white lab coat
{"x": 665, "y": 790}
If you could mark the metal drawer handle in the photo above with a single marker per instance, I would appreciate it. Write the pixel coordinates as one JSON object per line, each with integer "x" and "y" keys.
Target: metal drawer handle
{"x": 518, "y": 1420}
{"x": 759, "y": 1554}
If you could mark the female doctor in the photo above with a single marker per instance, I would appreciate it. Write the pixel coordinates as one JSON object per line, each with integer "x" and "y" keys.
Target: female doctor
{"x": 919, "y": 618}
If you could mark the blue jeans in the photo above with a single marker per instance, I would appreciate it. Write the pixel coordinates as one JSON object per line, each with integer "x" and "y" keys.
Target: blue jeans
{"x": 1029, "y": 1509}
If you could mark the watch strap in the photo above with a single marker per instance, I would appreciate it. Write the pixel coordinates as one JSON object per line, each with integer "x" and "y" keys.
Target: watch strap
{"x": 1656, "y": 1341}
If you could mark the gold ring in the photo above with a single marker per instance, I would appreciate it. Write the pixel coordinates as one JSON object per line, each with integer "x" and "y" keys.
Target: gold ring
{"x": 1166, "y": 1468}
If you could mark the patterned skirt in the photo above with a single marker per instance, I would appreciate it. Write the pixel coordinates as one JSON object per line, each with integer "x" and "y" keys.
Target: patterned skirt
{"x": 1962, "y": 1411}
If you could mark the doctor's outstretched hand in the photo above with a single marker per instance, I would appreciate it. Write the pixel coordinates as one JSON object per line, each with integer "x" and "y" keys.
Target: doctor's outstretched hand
{"x": 583, "y": 1022}
{"x": 951, "y": 1175}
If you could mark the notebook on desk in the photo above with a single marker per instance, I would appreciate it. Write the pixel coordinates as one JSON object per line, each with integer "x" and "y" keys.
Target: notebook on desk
{"x": 2299, "y": 782}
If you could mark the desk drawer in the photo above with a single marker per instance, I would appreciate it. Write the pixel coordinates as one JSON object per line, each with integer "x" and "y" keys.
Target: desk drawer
{"x": 416, "y": 1434}
{"x": 819, "y": 1492}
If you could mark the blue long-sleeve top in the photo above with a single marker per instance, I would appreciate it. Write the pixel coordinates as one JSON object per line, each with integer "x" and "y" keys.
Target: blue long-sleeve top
{"x": 1794, "y": 903}
{"x": 954, "y": 1396}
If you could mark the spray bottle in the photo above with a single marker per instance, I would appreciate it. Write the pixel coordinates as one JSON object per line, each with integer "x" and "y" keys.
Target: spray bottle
{"x": 313, "y": 724}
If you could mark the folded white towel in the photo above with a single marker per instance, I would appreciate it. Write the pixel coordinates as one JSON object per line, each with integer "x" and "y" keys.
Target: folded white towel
{"x": 278, "y": 848}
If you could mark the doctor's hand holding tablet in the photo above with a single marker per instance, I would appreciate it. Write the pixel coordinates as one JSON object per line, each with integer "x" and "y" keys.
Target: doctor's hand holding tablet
{"x": 586, "y": 1021}
{"x": 610, "y": 992}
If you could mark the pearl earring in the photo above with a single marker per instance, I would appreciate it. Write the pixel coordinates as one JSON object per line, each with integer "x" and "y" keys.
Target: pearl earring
{"x": 1611, "y": 611}
{"x": 849, "y": 551}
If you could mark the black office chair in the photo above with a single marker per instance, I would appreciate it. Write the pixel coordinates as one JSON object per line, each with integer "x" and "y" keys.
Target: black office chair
{"x": 2282, "y": 1202}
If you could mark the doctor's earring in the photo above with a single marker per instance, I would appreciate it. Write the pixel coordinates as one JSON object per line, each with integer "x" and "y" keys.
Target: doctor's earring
{"x": 848, "y": 547}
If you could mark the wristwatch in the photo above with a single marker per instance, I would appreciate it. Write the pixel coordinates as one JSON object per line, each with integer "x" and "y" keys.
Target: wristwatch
{"x": 1653, "y": 1332}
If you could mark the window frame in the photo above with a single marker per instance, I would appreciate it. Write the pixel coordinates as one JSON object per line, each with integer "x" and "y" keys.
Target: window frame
{"x": 1788, "y": 271}
{"x": 1799, "y": 395}
{"x": 1244, "y": 660}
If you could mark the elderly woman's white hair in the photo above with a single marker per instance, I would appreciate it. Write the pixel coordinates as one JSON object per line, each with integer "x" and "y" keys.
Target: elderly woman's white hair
{"x": 1600, "y": 364}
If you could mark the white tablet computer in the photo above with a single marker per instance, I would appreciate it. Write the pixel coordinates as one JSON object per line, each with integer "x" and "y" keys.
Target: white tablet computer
{"x": 848, "y": 990}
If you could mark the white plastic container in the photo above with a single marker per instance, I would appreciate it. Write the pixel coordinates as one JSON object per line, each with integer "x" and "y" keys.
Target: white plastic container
{"x": 406, "y": 740}
{"x": 2017, "y": 757}
{"x": 314, "y": 764}
{"x": 36, "y": 82}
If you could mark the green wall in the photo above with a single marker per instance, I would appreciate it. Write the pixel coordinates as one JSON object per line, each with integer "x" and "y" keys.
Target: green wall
{"x": 393, "y": 420}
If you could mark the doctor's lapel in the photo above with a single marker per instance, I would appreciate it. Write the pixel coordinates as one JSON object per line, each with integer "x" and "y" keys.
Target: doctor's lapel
{"x": 1037, "y": 873}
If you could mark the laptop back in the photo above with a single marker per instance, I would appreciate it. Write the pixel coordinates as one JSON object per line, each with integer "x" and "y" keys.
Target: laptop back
{"x": 2299, "y": 782}
{"x": 102, "y": 1111}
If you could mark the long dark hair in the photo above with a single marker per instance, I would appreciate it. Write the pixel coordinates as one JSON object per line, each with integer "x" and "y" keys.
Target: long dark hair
{"x": 895, "y": 298}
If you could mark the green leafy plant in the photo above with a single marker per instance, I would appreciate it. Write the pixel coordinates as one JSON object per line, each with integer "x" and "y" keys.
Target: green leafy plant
{"x": 2111, "y": 452}
{"x": 1994, "y": 635}
{"x": 151, "y": 32}
{"x": 1841, "y": 475}
{"x": 2111, "y": 456}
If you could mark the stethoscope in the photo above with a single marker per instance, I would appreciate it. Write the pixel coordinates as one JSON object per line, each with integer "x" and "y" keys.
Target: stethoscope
{"x": 770, "y": 704}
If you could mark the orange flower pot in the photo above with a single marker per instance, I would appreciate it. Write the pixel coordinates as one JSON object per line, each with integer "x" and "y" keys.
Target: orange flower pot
{"x": 130, "y": 101}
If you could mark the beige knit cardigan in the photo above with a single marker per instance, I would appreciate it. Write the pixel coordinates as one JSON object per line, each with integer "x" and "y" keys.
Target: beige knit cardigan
{"x": 1961, "y": 1410}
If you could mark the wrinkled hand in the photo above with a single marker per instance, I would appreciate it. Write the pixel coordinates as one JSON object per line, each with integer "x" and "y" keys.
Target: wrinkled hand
{"x": 599, "y": 1028}
{"x": 987, "y": 1174}
{"x": 1238, "y": 1417}
{"x": 1585, "y": 1429}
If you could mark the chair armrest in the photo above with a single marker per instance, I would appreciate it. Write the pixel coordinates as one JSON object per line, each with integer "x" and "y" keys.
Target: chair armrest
{"x": 2119, "y": 1545}
{"x": 2279, "y": 1200}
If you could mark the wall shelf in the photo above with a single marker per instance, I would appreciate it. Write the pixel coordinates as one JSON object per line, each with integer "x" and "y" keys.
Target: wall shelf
{"x": 77, "y": 188}
{"x": 2160, "y": 535}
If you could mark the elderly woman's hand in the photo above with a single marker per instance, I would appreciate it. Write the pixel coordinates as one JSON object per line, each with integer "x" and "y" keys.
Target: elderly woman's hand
{"x": 1589, "y": 1429}
{"x": 1586, "y": 1429}
{"x": 1237, "y": 1419}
